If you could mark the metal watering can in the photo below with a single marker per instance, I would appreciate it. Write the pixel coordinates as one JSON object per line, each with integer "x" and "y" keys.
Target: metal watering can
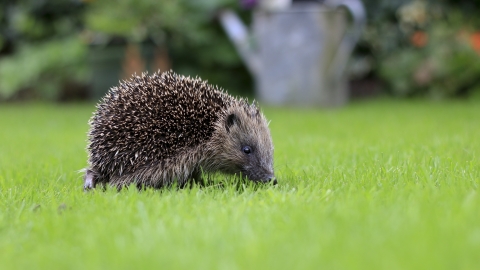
{"x": 298, "y": 55}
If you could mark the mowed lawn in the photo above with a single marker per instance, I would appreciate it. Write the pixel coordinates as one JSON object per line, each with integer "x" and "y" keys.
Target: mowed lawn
{"x": 375, "y": 185}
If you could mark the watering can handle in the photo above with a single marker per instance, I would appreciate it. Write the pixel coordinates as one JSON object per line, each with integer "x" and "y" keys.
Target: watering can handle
{"x": 357, "y": 10}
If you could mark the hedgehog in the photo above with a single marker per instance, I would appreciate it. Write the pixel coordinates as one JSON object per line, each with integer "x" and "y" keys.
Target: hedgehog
{"x": 163, "y": 129}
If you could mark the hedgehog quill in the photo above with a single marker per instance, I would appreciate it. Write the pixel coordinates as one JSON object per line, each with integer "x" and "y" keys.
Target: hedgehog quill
{"x": 157, "y": 130}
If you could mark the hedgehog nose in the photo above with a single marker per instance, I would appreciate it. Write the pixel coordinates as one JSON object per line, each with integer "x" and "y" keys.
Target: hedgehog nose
{"x": 272, "y": 178}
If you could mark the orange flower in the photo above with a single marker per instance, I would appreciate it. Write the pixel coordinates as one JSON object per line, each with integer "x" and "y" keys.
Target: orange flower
{"x": 475, "y": 41}
{"x": 419, "y": 39}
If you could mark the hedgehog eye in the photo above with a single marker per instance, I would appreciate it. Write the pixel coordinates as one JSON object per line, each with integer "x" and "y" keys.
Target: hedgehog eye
{"x": 247, "y": 150}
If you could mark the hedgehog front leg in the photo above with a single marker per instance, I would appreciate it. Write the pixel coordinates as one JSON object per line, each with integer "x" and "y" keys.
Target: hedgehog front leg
{"x": 197, "y": 177}
{"x": 202, "y": 179}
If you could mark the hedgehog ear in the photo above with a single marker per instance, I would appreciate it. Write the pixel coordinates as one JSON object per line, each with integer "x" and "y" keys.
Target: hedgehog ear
{"x": 231, "y": 120}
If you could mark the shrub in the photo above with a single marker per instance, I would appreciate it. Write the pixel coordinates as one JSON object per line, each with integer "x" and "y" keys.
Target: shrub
{"x": 427, "y": 51}
{"x": 42, "y": 68}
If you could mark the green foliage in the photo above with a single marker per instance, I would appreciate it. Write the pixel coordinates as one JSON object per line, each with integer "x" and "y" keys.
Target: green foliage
{"x": 188, "y": 29}
{"x": 424, "y": 48}
{"x": 43, "y": 67}
{"x": 378, "y": 185}
{"x": 159, "y": 20}
{"x": 40, "y": 51}
{"x": 32, "y": 20}
{"x": 45, "y": 49}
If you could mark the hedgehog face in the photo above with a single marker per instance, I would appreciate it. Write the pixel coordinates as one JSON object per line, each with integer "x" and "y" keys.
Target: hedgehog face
{"x": 246, "y": 144}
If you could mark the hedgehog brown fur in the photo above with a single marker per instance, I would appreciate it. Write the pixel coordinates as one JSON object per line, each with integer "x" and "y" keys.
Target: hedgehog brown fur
{"x": 156, "y": 130}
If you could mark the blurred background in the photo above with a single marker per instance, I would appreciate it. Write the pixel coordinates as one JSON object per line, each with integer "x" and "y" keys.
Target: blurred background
{"x": 68, "y": 50}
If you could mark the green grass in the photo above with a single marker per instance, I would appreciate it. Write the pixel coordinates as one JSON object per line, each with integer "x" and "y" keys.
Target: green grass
{"x": 375, "y": 185}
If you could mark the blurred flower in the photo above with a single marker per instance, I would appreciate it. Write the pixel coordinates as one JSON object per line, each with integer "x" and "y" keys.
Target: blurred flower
{"x": 475, "y": 41}
{"x": 414, "y": 13}
{"x": 419, "y": 39}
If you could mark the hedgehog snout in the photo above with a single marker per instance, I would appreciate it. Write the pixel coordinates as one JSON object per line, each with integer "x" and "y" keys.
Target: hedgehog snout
{"x": 271, "y": 178}
{"x": 267, "y": 176}
{"x": 264, "y": 177}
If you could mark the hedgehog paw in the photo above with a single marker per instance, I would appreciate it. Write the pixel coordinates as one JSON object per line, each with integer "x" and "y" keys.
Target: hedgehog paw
{"x": 89, "y": 181}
